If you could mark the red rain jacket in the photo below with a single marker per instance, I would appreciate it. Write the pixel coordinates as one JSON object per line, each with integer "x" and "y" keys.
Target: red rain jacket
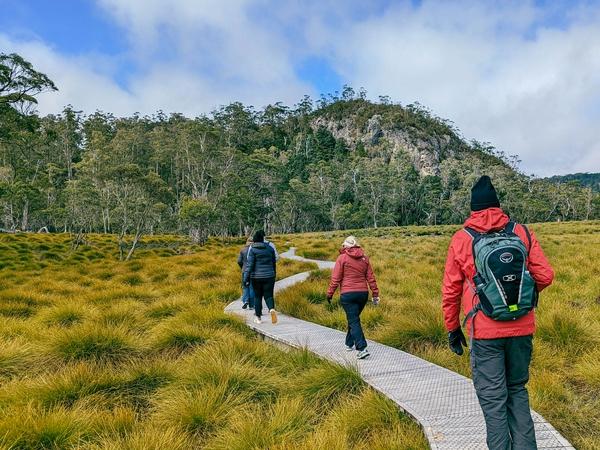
{"x": 352, "y": 272}
{"x": 460, "y": 270}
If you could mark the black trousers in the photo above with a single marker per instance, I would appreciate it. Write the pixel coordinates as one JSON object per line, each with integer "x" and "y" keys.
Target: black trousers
{"x": 500, "y": 372}
{"x": 263, "y": 288}
{"x": 353, "y": 304}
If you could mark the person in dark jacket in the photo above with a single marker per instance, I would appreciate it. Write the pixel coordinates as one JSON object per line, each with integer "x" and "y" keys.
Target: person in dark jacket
{"x": 260, "y": 272}
{"x": 247, "y": 291}
{"x": 501, "y": 350}
{"x": 352, "y": 273}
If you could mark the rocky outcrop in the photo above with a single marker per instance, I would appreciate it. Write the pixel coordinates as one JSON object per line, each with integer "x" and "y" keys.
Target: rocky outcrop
{"x": 425, "y": 152}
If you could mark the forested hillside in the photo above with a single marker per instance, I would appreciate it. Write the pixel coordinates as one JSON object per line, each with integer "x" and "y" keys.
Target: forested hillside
{"x": 340, "y": 162}
{"x": 591, "y": 180}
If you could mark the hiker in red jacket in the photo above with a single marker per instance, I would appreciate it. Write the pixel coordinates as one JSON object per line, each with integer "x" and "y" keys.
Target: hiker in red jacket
{"x": 353, "y": 272}
{"x": 501, "y": 348}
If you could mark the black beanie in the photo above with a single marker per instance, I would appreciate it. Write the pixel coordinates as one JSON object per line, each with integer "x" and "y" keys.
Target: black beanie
{"x": 259, "y": 236}
{"x": 483, "y": 195}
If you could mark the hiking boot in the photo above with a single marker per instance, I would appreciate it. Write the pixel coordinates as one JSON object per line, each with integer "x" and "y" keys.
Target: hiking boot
{"x": 257, "y": 320}
{"x": 245, "y": 306}
{"x": 349, "y": 348}
{"x": 273, "y": 316}
{"x": 362, "y": 354}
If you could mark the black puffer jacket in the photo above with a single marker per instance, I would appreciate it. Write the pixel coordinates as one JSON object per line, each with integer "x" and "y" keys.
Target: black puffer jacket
{"x": 261, "y": 262}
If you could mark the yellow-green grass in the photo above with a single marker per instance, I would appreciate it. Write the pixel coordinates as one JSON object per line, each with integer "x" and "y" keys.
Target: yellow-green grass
{"x": 409, "y": 262}
{"x": 101, "y": 354}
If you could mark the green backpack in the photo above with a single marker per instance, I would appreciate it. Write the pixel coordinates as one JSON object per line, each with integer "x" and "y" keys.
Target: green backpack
{"x": 503, "y": 284}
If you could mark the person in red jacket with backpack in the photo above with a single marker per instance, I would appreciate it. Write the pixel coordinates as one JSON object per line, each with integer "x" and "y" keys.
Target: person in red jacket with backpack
{"x": 352, "y": 273}
{"x": 501, "y": 333}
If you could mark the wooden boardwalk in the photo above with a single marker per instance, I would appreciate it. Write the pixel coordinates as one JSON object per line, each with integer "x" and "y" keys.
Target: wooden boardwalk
{"x": 442, "y": 401}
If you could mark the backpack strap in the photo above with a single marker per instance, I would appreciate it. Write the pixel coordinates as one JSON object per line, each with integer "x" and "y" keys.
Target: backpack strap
{"x": 510, "y": 227}
{"x": 474, "y": 237}
{"x": 528, "y": 234}
{"x": 471, "y": 232}
{"x": 471, "y": 316}
{"x": 471, "y": 313}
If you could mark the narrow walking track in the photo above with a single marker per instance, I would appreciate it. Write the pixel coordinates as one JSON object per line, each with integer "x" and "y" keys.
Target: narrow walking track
{"x": 442, "y": 401}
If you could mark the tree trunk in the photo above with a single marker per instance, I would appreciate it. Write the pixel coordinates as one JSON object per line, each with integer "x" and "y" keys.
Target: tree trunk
{"x": 104, "y": 221}
{"x": 25, "y": 218}
{"x": 79, "y": 239}
{"x": 136, "y": 239}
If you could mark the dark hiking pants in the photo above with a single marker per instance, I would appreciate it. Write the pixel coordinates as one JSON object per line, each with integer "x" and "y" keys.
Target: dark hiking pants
{"x": 500, "y": 372}
{"x": 353, "y": 303}
{"x": 263, "y": 288}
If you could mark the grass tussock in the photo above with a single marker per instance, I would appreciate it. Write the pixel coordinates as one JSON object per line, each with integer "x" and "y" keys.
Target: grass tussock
{"x": 237, "y": 374}
{"x": 30, "y": 427}
{"x": 279, "y": 425}
{"x": 16, "y": 356}
{"x": 325, "y": 384}
{"x": 130, "y": 385}
{"x": 179, "y": 337}
{"x": 146, "y": 437}
{"x": 94, "y": 343}
{"x": 65, "y": 314}
{"x": 198, "y": 411}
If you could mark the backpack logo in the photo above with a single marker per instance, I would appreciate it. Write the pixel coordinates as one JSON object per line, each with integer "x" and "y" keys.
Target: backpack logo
{"x": 506, "y": 257}
{"x": 509, "y": 277}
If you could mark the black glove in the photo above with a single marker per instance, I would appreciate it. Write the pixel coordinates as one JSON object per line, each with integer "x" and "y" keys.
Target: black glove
{"x": 329, "y": 299}
{"x": 457, "y": 340}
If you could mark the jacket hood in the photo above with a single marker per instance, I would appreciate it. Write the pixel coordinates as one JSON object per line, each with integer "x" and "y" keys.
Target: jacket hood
{"x": 259, "y": 245}
{"x": 354, "y": 252}
{"x": 487, "y": 219}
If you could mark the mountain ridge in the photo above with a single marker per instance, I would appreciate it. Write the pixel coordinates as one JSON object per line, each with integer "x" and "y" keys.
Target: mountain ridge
{"x": 585, "y": 179}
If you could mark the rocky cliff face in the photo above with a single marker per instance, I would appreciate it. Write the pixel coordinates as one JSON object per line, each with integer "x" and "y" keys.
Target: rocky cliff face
{"x": 426, "y": 152}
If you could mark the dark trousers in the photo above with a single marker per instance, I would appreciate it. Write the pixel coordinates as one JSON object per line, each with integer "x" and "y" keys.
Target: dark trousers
{"x": 353, "y": 303}
{"x": 500, "y": 372}
{"x": 263, "y": 288}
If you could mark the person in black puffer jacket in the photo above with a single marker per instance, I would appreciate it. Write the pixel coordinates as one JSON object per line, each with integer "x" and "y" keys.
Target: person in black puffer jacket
{"x": 261, "y": 269}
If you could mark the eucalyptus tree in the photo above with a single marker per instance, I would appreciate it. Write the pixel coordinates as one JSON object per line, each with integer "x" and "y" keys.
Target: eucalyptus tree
{"x": 20, "y": 83}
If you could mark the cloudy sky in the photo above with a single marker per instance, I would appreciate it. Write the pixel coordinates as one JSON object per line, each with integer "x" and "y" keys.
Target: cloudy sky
{"x": 523, "y": 75}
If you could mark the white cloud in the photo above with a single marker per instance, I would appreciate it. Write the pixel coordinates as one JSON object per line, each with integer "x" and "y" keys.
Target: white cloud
{"x": 82, "y": 81}
{"x": 223, "y": 45}
{"x": 191, "y": 57}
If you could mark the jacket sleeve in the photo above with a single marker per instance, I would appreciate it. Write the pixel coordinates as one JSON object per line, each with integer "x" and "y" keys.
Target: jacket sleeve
{"x": 250, "y": 263}
{"x": 371, "y": 279}
{"x": 336, "y": 277}
{"x": 538, "y": 265}
{"x": 452, "y": 291}
{"x": 240, "y": 259}
{"x": 275, "y": 258}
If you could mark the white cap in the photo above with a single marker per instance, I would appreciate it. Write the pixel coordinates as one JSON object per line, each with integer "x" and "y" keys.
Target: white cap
{"x": 350, "y": 241}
